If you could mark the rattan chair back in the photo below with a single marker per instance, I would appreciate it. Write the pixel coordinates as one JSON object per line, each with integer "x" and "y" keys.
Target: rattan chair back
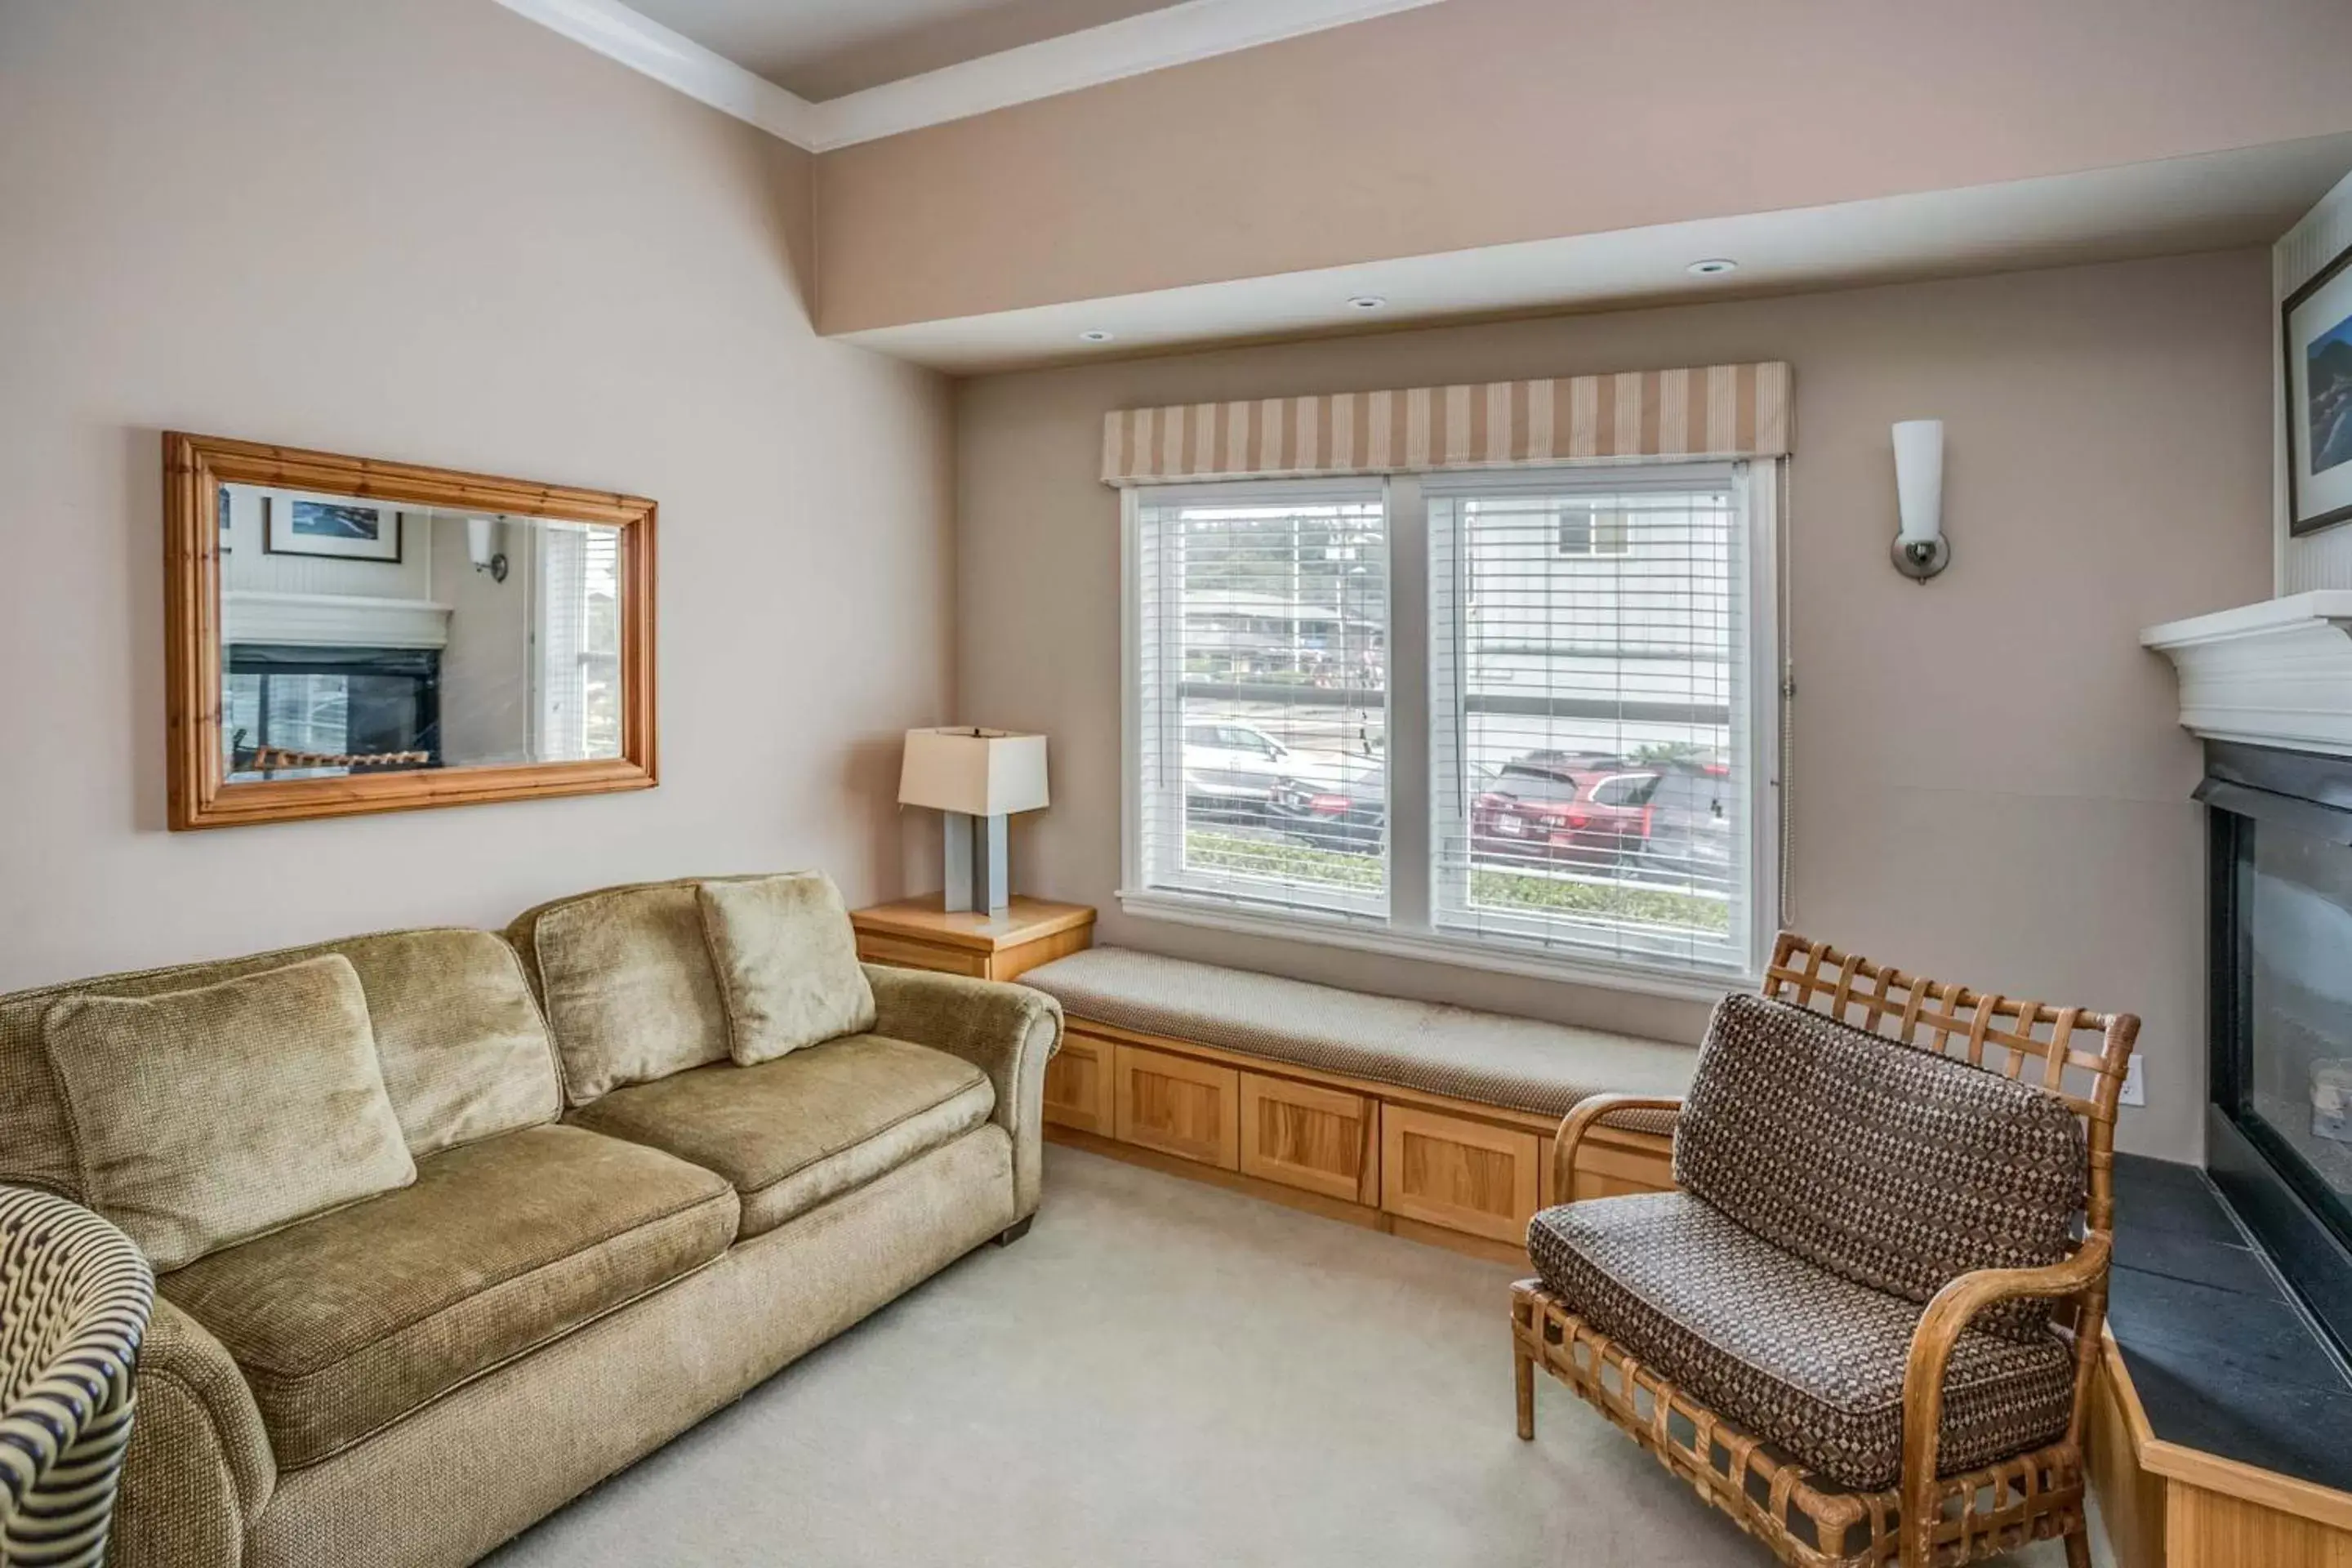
{"x": 2077, "y": 1054}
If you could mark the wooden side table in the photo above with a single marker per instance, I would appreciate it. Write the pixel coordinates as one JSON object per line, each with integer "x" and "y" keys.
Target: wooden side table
{"x": 917, "y": 933}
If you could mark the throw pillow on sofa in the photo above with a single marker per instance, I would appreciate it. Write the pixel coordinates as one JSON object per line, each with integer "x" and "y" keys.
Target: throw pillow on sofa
{"x": 203, "y": 1118}
{"x": 787, "y": 963}
{"x": 626, "y": 976}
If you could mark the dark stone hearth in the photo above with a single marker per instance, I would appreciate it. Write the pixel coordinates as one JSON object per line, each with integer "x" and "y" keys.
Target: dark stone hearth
{"x": 2222, "y": 1359}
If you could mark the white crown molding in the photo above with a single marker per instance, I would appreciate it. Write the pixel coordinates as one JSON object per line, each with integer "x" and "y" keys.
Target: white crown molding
{"x": 1133, "y": 45}
{"x": 1155, "y": 40}
{"x": 642, "y": 44}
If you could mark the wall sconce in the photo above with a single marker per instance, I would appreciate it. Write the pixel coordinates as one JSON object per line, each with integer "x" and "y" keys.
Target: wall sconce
{"x": 482, "y": 547}
{"x": 1920, "y": 549}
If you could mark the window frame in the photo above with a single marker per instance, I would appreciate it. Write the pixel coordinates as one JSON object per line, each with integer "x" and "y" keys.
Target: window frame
{"x": 1409, "y": 929}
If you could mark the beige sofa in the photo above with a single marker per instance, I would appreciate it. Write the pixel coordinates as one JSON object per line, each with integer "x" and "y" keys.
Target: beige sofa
{"x": 577, "y": 1272}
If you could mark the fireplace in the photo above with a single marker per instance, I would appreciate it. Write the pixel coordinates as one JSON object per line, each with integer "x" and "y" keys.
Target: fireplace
{"x": 2279, "y": 1137}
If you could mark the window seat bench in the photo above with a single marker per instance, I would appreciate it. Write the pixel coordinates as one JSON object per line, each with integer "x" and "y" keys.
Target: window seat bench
{"x": 1428, "y": 1120}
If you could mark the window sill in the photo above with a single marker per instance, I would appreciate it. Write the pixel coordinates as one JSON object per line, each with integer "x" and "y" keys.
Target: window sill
{"x": 1456, "y": 952}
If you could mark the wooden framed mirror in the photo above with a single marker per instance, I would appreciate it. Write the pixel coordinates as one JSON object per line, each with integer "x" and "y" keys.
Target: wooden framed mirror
{"x": 345, "y": 636}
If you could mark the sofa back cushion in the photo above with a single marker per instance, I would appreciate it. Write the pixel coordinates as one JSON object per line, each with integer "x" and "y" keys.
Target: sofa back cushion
{"x": 203, "y": 1118}
{"x": 1884, "y": 1164}
{"x": 786, "y": 958}
{"x": 463, "y": 1051}
{"x": 628, "y": 981}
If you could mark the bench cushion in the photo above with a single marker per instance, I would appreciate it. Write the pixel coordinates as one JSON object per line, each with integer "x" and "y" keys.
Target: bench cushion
{"x": 1491, "y": 1058}
{"x": 1810, "y": 1362}
{"x": 346, "y": 1323}
{"x": 1890, "y": 1166}
{"x": 808, "y": 1126}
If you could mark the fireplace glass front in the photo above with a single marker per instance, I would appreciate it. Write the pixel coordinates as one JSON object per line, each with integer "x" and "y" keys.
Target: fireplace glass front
{"x": 2280, "y": 1136}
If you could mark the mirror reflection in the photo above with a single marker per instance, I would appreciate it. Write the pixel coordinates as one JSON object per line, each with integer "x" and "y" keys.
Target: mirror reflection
{"x": 367, "y": 637}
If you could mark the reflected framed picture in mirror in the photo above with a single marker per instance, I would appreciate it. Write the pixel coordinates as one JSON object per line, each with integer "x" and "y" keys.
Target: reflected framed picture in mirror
{"x": 336, "y": 529}
{"x": 390, "y": 636}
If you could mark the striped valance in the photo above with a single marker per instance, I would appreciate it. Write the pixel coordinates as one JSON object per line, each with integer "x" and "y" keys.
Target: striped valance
{"x": 1712, "y": 411}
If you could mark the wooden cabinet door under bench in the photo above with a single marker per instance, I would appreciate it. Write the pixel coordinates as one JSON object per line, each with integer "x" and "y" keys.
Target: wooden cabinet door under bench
{"x": 1444, "y": 1170}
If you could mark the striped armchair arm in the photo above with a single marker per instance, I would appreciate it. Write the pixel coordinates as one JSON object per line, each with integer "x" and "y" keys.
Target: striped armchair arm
{"x": 74, "y": 1298}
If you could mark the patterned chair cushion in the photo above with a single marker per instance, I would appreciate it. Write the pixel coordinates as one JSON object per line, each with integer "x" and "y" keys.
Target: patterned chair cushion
{"x": 1809, "y": 1362}
{"x": 1889, "y": 1166}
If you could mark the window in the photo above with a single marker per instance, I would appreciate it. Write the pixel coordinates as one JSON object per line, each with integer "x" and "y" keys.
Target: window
{"x": 1581, "y": 785}
{"x": 1591, "y": 750}
{"x": 1261, "y": 639}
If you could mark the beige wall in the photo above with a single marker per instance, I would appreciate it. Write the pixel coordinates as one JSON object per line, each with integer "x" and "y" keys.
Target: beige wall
{"x": 1988, "y": 782}
{"x": 433, "y": 231}
{"x": 1482, "y": 122}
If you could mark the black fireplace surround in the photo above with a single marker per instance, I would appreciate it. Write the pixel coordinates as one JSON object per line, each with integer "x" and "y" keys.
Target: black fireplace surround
{"x": 2279, "y": 1124}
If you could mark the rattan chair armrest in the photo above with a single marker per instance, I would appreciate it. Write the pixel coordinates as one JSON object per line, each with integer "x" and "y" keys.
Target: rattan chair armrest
{"x": 1954, "y": 1308}
{"x": 1588, "y": 1111}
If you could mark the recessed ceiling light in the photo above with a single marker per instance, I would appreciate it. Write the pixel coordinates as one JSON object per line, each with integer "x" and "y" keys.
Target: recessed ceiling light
{"x": 1713, "y": 266}
{"x": 1094, "y": 335}
{"x": 1368, "y": 302}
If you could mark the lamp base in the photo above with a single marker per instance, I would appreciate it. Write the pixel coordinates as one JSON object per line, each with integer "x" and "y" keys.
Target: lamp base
{"x": 1923, "y": 560}
{"x": 978, "y": 866}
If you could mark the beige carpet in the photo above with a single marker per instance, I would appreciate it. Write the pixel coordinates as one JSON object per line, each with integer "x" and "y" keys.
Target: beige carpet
{"x": 1161, "y": 1373}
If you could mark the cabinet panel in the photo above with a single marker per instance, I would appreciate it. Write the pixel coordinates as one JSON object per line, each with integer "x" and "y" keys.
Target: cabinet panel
{"x": 1466, "y": 1175}
{"x": 1611, "y": 1162}
{"x": 1322, "y": 1140}
{"x": 1179, "y": 1106}
{"x": 1078, "y": 1084}
{"x": 879, "y": 947}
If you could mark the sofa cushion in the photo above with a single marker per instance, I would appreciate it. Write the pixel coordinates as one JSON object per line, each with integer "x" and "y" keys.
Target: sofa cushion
{"x": 791, "y": 1132}
{"x": 463, "y": 1052}
{"x": 786, "y": 958}
{"x": 200, "y": 1117}
{"x": 630, "y": 991}
{"x": 1891, "y": 1166}
{"x": 1809, "y": 1362}
{"x": 346, "y": 1323}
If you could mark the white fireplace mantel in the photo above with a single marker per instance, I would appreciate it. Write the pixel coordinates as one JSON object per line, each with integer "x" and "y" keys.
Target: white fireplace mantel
{"x": 2274, "y": 674}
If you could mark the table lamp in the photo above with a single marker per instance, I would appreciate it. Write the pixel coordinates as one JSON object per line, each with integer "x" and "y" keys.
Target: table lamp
{"x": 977, "y": 777}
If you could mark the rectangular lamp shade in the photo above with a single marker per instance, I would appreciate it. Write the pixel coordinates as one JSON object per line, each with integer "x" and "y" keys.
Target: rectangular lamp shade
{"x": 986, "y": 772}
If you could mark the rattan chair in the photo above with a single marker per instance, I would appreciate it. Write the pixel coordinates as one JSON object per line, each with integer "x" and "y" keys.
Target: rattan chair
{"x": 1929, "y": 1517}
{"x": 75, "y": 1294}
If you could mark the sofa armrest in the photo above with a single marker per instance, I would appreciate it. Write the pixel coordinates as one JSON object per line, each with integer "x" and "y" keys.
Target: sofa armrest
{"x": 199, "y": 1469}
{"x": 1580, "y": 1121}
{"x": 1007, "y": 1031}
{"x": 2084, "y": 1275}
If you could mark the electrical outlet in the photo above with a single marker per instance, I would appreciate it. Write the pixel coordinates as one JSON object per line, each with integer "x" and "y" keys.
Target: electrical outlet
{"x": 2135, "y": 1083}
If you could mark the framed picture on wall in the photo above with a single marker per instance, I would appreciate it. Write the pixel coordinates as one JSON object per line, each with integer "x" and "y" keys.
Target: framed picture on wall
{"x": 2318, "y": 327}
{"x": 343, "y": 529}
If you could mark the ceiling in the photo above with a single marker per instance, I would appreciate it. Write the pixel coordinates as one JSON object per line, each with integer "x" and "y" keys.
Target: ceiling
{"x": 825, "y": 48}
{"x": 2246, "y": 198}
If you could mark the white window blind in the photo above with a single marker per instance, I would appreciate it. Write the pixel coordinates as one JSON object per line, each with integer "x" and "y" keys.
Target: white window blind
{"x": 1261, "y": 701}
{"x": 1591, "y": 788}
